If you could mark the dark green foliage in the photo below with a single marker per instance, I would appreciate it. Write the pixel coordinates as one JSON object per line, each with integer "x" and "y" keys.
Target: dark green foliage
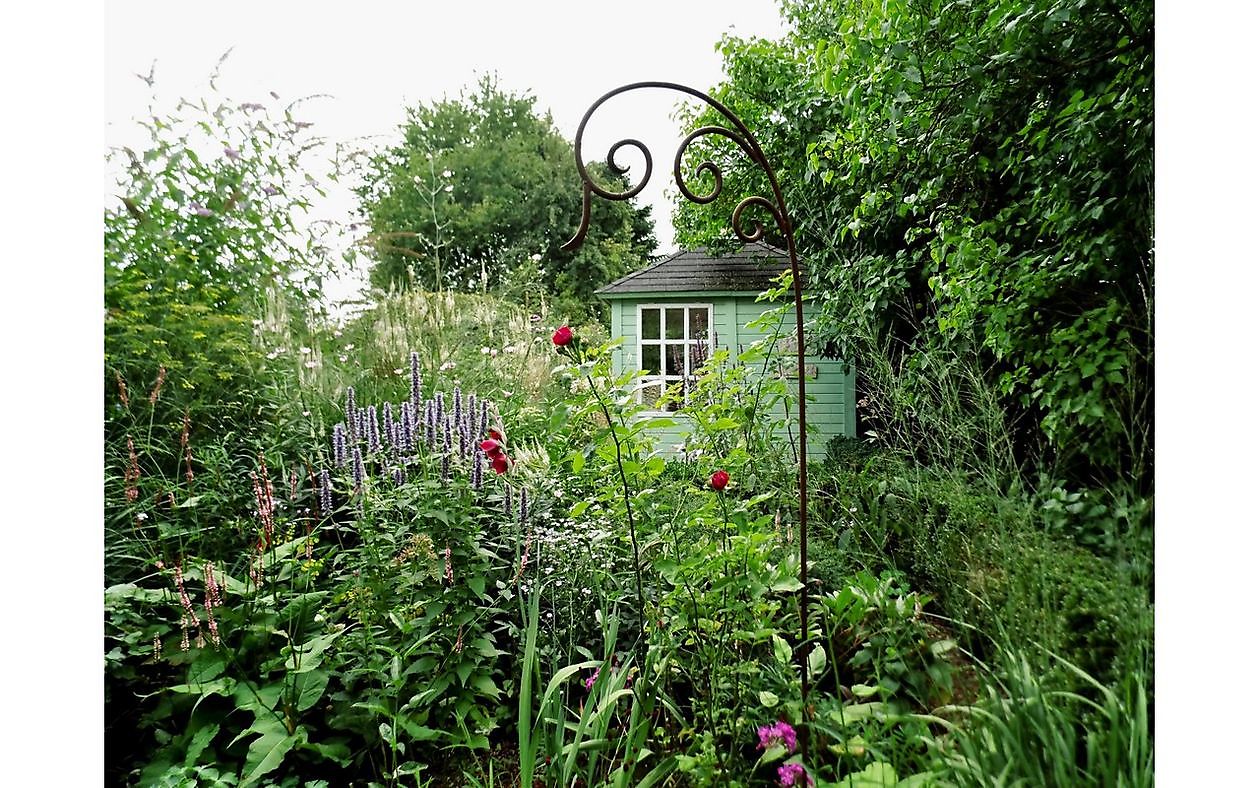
{"x": 975, "y": 175}
{"x": 991, "y": 566}
{"x": 480, "y": 194}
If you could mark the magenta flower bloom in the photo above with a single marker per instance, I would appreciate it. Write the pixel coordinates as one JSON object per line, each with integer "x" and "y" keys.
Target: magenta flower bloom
{"x": 590, "y": 681}
{"x": 778, "y": 733}
{"x": 794, "y": 774}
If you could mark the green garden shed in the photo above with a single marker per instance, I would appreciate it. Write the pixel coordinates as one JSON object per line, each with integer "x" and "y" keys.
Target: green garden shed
{"x": 673, "y": 313}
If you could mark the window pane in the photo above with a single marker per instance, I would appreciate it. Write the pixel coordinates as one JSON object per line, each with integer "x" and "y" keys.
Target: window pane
{"x": 698, "y": 322}
{"x": 674, "y": 360}
{"x": 652, "y": 359}
{"x": 651, "y": 327}
{"x": 651, "y": 393}
{"x": 674, "y": 323}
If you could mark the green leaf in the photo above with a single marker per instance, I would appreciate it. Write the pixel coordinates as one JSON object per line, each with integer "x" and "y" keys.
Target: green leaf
{"x": 310, "y": 688}
{"x": 577, "y": 461}
{"x": 817, "y": 661}
{"x": 876, "y": 775}
{"x": 198, "y": 743}
{"x": 782, "y": 651}
{"x": 768, "y": 699}
{"x": 485, "y": 685}
{"x": 266, "y": 753}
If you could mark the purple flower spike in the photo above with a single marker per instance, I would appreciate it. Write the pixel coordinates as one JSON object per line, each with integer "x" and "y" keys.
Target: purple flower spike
{"x": 524, "y": 508}
{"x": 360, "y": 471}
{"x": 415, "y": 378}
{"x": 339, "y": 445}
{"x": 325, "y": 492}
{"x": 590, "y": 680}
{"x": 373, "y": 430}
{"x": 270, "y": 191}
{"x": 399, "y": 478}
{"x": 351, "y": 413}
{"x": 458, "y": 405}
{"x": 232, "y": 154}
{"x": 507, "y": 500}
{"x": 477, "y": 468}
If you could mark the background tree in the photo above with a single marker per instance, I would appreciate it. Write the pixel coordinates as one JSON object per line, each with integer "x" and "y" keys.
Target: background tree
{"x": 481, "y": 191}
{"x": 973, "y": 179}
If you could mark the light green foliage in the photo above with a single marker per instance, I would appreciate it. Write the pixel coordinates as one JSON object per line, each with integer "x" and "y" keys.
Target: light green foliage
{"x": 971, "y": 175}
{"x": 479, "y": 194}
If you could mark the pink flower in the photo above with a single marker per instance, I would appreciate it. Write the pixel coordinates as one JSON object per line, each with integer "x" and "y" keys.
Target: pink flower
{"x": 794, "y": 774}
{"x": 490, "y": 446}
{"x": 719, "y": 480}
{"x": 562, "y": 337}
{"x": 778, "y": 733}
{"x": 590, "y": 681}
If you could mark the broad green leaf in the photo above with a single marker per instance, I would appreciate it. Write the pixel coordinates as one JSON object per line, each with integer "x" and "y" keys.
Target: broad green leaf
{"x": 265, "y": 754}
{"x": 768, "y": 699}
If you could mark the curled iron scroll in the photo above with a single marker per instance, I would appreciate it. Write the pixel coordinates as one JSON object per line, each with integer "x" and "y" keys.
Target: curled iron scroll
{"x": 738, "y": 133}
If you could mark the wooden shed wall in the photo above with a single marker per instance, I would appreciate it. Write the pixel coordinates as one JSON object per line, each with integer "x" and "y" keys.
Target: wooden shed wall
{"x": 831, "y": 411}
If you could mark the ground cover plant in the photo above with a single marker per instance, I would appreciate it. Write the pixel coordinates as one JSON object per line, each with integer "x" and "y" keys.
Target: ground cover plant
{"x": 430, "y": 543}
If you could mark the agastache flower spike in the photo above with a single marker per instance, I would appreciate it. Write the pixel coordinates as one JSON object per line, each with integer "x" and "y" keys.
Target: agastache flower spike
{"x": 440, "y": 399}
{"x": 458, "y": 404}
{"x": 387, "y": 421}
{"x": 339, "y": 445}
{"x": 360, "y": 472}
{"x": 373, "y": 430}
{"x": 507, "y": 500}
{"x": 351, "y": 412}
{"x": 430, "y": 424}
{"x": 399, "y": 478}
{"x": 325, "y": 492}
{"x": 485, "y": 418}
{"x": 477, "y": 468}
{"x": 524, "y": 507}
{"x": 415, "y": 378}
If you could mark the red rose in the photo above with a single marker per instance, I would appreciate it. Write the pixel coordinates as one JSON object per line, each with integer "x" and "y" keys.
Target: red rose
{"x": 719, "y": 480}
{"x": 562, "y": 337}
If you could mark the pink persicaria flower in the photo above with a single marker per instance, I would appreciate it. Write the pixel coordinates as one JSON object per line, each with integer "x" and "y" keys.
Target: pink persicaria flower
{"x": 778, "y": 733}
{"x": 590, "y": 681}
{"x": 794, "y": 774}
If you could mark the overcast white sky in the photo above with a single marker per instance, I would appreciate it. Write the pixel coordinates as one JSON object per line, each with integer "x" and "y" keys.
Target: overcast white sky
{"x": 377, "y": 58}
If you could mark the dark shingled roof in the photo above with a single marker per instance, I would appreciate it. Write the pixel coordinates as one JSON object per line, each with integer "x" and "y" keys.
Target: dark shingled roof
{"x": 748, "y": 270}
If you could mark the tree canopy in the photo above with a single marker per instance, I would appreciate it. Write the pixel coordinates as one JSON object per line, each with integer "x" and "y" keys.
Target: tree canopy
{"x": 479, "y": 194}
{"x": 975, "y": 177}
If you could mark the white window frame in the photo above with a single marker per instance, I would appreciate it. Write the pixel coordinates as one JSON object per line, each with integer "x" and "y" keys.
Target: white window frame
{"x": 663, "y": 379}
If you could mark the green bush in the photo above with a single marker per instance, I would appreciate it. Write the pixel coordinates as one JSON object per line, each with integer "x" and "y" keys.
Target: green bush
{"x": 991, "y": 565}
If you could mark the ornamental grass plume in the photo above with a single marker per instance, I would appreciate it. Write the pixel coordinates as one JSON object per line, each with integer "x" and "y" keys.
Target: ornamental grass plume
{"x": 131, "y": 476}
{"x": 157, "y": 386}
{"x": 122, "y": 389}
{"x": 187, "y": 448}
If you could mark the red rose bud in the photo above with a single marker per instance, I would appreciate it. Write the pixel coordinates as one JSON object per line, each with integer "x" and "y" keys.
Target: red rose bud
{"x": 719, "y": 480}
{"x": 562, "y": 337}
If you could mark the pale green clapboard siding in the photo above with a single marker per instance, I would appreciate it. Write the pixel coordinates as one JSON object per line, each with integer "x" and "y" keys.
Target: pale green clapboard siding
{"x": 829, "y": 397}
